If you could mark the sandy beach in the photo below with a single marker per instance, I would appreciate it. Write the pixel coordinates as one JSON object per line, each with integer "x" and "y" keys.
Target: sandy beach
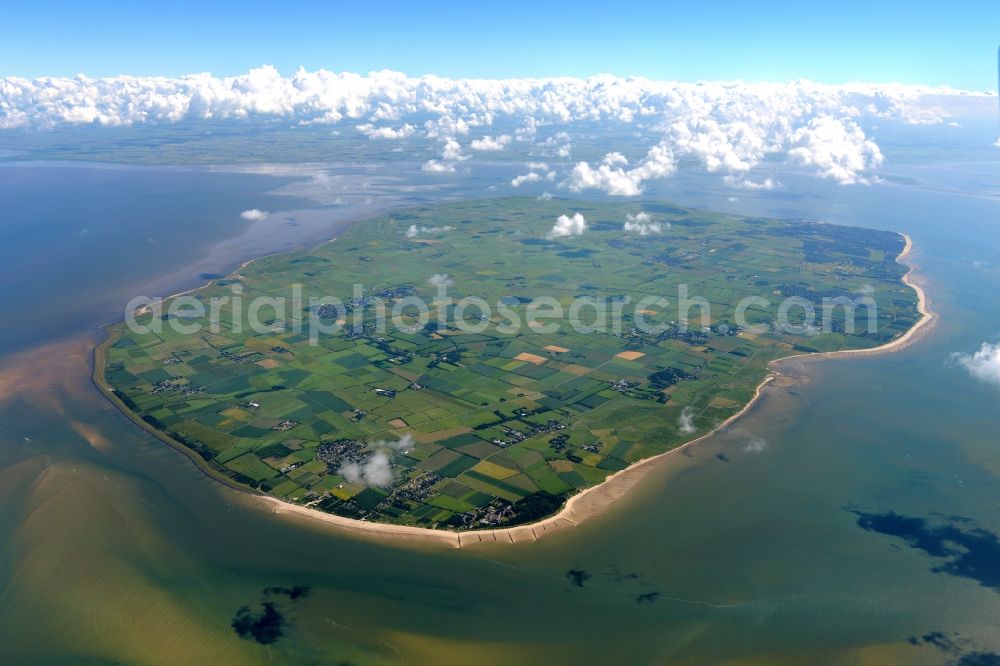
{"x": 585, "y": 504}
{"x": 597, "y": 499}
{"x": 927, "y": 318}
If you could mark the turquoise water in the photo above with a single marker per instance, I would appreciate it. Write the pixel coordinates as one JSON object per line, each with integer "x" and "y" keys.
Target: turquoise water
{"x": 119, "y": 549}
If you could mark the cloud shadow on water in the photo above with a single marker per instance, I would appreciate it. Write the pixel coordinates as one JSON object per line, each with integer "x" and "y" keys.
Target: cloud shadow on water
{"x": 961, "y": 547}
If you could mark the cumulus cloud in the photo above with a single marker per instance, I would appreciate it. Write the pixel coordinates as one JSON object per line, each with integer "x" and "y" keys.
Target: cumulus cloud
{"x": 530, "y": 177}
{"x": 414, "y": 230}
{"x": 755, "y": 445}
{"x": 254, "y": 214}
{"x": 451, "y": 153}
{"x": 983, "y": 364}
{"x": 488, "y": 143}
{"x": 568, "y": 226}
{"x": 742, "y": 183}
{"x": 726, "y": 127}
{"x": 437, "y": 166}
{"x": 376, "y": 469}
{"x": 642, "y": 224}
{"x": 440, "y": 281}
{"x": 404, "y": 132}
{"x": 837, "y": 148}
{"x": 614, "y": 177}
{"x": 685, "y": 422}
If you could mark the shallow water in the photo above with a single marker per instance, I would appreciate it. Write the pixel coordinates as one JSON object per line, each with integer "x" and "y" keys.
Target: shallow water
{"x": 119, "y": 550}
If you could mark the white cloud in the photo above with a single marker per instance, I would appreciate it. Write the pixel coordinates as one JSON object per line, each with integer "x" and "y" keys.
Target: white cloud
{"x": 837, "y": 148}
{"x": 414, "y": 230}
{"x": 983, "y": 364}
{"x": 537, "y": 166}
{"x": 434, "y": 166}
{"x": 373, "y": 132}
{"x": 376, "y": 470}
{"x": 726, "y": 127}
{"x": 451, "y": 153}
{"x": 440, "y": 281}
{"x": 685, "y": 422}
{"x": 530, "y": 177}
{"x": 768, "y": 183}
{"x": 488, "y": 143}
{"x": 613, "y": 176}
{"x": 254, "y": 214}
{"x": 568, "y": 226}
{"x": 755, "y": 445}
{"x": 642, "y": 224}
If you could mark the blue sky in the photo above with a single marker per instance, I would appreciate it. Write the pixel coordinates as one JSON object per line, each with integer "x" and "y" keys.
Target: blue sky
{"x": 951, "y": 43}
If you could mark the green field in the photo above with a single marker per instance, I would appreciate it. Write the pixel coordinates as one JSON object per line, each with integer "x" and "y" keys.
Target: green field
{"x": 498, "y": 426}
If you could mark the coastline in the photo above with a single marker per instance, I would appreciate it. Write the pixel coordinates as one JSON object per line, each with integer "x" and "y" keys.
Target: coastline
{"x": 586, "y": 504}
{"x": 927, "y": 318}
{"x": 596, "y": 499}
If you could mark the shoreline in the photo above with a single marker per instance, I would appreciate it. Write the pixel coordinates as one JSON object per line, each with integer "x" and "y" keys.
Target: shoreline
{"x": 596, "y": 499}
{"x": 927, "y": 318}
{"x": 584, "y": 505}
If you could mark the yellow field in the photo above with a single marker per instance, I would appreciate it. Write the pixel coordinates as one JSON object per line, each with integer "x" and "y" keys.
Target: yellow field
{"x": 530, "y": 358}
{"x": 494, "y": 470}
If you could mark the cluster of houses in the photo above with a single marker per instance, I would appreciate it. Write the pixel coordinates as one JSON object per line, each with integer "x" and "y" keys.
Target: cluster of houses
{"x": 175, "y": 385}
{"x": 514, "y": 436}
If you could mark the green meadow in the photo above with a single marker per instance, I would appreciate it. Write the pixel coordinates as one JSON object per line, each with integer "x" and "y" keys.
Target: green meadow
{"x": 465, "y": 420}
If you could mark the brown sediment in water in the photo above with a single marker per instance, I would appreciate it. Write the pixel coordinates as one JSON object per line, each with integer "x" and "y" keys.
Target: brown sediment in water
{"x": 586, "y": 504}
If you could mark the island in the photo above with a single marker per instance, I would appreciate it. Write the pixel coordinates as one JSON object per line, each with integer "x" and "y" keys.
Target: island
{"x": 489, "y": 409}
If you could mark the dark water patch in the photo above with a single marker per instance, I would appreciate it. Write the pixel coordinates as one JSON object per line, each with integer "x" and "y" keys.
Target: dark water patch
{"x": 647, "y": 597}
{"x": 616, "y": 574}
{"x": 965, "y": 550}
{"x": 945, "y": 642}
{"x": 265, "y": 627}
{"x": 209, "y": 276}
{"x": 954, "y": 645}
{"x": 580, "y": 253}
{"x": 722, "y": 457}
{"x": 606, "y": 226}
{"x": 577, "y": 577}
{"x": 690, "y": 222}
{"x": 293, "y": 593}
{"x": 979, "y": 659}
{"x": 663, "y": 208}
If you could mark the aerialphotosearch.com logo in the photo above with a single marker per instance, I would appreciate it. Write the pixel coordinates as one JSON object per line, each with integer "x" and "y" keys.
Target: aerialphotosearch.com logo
{"x": 402, "y": 309}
